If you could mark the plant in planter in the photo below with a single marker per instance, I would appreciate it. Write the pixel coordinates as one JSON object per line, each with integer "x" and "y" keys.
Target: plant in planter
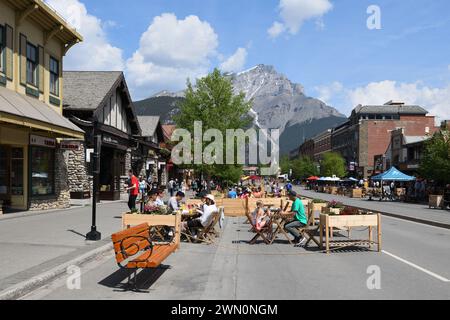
{"x": 318, "y": 201}
{"x": 350, "y": 211}
{"x": 335, "y": 207}
{"x": 155, "y": 210}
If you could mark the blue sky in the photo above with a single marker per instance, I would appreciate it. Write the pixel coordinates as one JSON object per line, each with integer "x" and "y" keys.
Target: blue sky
{"x": 324, "y": 45}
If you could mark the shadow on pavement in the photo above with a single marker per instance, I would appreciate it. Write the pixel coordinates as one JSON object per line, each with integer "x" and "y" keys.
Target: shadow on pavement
{"x": 145, "y": 279}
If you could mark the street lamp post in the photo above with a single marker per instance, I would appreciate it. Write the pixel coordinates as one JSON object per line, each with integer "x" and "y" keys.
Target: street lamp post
{"x": 94, "y": 235}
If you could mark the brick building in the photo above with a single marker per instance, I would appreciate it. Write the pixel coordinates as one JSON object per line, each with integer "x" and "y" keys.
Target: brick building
{"x": 307, "y": 149}
{"x": 322, "y": 144}
{"x": 368, "y": 132}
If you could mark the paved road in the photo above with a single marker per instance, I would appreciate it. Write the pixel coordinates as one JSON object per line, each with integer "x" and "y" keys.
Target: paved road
{"x": 409, "y": 210}
{"x": 414, "y": 265}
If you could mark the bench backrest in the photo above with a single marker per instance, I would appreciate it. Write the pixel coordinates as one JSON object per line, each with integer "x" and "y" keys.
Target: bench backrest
{"x": 130, "y": 241}
{"x": 157, "y": 221}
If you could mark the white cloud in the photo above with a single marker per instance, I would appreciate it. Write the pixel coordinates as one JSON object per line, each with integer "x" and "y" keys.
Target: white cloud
{"x": 276, "y": 29}
{"x": 435, "y": 100}
{"x": 95, "y": 52}
{"x": 236, "y": 62}
{"x": 295, "y": 12}
{"x": 170, "y": 51}
{"x": 328, "y": 92}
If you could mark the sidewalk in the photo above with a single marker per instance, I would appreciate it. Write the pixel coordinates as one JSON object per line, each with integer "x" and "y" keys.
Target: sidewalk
{"x": 408, "y": 211}
{"x": 35, "y": 243}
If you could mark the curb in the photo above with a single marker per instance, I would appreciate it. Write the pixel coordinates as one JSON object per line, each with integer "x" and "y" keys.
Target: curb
{"x": 27, "y": 286}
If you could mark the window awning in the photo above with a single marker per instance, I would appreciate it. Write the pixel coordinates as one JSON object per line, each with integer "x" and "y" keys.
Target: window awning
{"x": 30, "y": 112}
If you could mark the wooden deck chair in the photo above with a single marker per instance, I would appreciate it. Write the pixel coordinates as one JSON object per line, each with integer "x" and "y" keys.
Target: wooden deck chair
{"x": 264, "y": 234}
{"x": 309, "y": 231}
{"x": 204, "y": 234}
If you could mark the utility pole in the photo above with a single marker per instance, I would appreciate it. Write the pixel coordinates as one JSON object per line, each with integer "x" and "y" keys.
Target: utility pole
{"x": 94, "y": 235}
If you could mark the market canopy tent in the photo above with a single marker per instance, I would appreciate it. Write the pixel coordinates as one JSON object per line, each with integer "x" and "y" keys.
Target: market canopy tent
{"x": 313, "y": 178}
{"x": 330, "y": 179}
{"x": 393, "y": 174}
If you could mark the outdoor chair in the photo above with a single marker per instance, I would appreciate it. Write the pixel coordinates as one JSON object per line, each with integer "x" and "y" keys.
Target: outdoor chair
{"x": 206, "y": 234}
{"x": 265, "y": 234}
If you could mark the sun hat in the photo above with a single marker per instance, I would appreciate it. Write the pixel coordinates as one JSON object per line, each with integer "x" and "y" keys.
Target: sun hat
{"x": 211, "y": 197}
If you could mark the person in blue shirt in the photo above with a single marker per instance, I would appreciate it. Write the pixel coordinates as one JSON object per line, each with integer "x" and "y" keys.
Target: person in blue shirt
{"x": 232, "y": 194}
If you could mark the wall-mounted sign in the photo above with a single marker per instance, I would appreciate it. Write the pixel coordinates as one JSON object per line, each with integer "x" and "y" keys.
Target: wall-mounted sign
{"x": 111, "y": 140}
{"x": 70, "y": 145}
{"x": 89, "y": 153}
{"x": 42, "y": 141}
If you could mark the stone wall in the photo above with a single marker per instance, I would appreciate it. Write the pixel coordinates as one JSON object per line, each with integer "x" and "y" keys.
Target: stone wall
{"x": 61, "y": 199}
{"x": 78, "y": 179}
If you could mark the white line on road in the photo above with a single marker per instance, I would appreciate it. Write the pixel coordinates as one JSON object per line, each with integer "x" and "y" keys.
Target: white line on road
{"x": 443, "y": 279}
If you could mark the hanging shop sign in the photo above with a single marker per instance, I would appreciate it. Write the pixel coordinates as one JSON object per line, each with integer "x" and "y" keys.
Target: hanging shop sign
{"x": 70, "y": 145}
{"x": 40, "y": 141}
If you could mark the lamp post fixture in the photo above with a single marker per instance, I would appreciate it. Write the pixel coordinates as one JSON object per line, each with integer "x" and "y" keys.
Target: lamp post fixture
{"x": 94, "y": 235}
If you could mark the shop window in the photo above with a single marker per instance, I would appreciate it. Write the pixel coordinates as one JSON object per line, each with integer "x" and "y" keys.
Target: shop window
{"x": 17, "y": 171}
{"x": 42, "y": 171}
{"x": 4, "y": 177}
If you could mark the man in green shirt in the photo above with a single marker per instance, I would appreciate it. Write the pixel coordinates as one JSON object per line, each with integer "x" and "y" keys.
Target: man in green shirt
{"x": 299, "y": 221}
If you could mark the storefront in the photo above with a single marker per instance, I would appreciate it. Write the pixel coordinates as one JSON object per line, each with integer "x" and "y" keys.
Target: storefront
{"x": 100, "y": 104}
{"x": 32, "y": 170}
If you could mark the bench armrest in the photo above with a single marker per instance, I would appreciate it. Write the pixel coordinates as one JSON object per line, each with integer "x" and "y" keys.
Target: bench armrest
{"x": 123, "y": 250}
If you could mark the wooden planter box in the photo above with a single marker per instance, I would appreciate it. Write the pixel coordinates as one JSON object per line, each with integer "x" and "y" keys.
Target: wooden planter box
{"x": 130, "y": 220}
{"x": 318, "y": 206}
{"x": 436, "y": 201}
{"x": 357, "y": 193}
{"x": 328, "y": 223}
{"x": 335, "y": 211}
{"x": 333, "y": 191}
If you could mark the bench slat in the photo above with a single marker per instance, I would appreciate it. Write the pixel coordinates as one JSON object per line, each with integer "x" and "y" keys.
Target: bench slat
{"x": 159, "y": 254}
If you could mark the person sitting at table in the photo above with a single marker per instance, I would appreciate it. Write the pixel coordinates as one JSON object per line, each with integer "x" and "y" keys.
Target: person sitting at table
{"x": 205, "y": 219}
{"x": 159, "y": 198}
{"x": 257, "y": 193}
{"x": 260, "y": 216}
{"x": 300, "y": 219}
{"x": 152, "y": 197}
{"x": 175, "y": 202}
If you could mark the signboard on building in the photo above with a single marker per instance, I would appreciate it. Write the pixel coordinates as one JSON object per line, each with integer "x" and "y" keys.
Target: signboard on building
{"x": 40, "y": 141}
{"x": 70, "y": 145}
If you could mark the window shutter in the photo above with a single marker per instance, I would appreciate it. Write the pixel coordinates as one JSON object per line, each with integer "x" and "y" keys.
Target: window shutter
{"x": 40, "y": 75}
{"x": 23, "y": 59}
{"x": 9, "y": 52}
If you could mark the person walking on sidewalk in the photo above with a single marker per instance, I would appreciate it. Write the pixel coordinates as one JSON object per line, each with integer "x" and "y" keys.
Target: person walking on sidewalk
{"x": 133, "y": 189}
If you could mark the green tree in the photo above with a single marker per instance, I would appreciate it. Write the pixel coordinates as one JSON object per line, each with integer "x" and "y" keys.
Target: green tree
{"x": 304, "y": 168}
{"x": 213, "y": 102}
{"x": 285, "y": 164}
{"x": 333, "y": 164}
{"x": 435, "y": 164}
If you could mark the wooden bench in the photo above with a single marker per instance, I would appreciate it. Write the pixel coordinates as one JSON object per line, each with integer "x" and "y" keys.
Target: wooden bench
{"x": 134, "y": 249}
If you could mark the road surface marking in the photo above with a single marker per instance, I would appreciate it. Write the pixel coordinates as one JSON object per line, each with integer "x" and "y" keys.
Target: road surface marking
{"x": 417, "y": 267}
